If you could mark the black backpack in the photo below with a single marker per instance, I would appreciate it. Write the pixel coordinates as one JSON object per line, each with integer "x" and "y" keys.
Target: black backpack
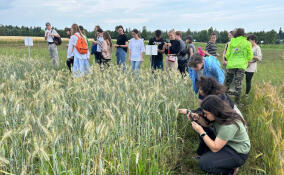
{"x": 57, "y": 40}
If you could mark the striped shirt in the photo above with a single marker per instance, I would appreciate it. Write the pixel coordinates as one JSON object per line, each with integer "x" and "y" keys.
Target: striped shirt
{"x": 211, "y": 48}
{"x": 101, "y": 41}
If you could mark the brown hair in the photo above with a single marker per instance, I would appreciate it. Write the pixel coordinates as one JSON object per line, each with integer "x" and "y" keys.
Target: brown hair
{"x": 239, "y": 32}
{"x": 252, "y": 37}
{"x": 76, "y": 29}
{"x": 213, "y": 34}
{"x": 107, "y": 37}
{"x": 135, "y": 31}
{"x": 179, "y": 33}
{"x": 97, "y": 27}
{"x": 210, "y": 86}
{"x": 195, "y": 59}
{"x": 100, "y": 30}
{"x": 82, "y": 30}
{"x": 222, "y": 111}
{"x": 118, "y": 27}
{"x": 67, "y": 29}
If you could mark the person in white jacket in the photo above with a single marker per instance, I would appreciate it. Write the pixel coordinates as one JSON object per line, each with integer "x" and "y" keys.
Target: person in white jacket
{"x": 81, "y": 61}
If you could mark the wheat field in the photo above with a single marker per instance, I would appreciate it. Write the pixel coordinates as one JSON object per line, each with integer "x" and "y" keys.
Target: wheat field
{"x": 110, "y": 122}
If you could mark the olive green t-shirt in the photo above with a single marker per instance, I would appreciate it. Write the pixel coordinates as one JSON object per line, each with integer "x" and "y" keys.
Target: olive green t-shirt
{"x": 236, "y": 138}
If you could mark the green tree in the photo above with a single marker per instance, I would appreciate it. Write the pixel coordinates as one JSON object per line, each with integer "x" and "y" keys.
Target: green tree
{"x": 203, "y": 36}
{"x": 210, "y": 31}
{"x": 281, "y": 34}
{"x": 270, "y": 37}
{"x": 144, "y": 33}
{"x": 223, "y": 37}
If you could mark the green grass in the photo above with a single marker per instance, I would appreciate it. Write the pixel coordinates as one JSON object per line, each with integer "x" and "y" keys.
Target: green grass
{"x": 114, "y": 123}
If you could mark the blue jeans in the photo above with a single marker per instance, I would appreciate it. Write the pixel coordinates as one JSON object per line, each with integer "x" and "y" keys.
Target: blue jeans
{"x": 157, "y": 64}
{"x": 121, "y": 57}
{"x": 135, "y": 65}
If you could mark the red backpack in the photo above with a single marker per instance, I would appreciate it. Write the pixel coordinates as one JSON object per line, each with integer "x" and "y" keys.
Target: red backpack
{"x": 81, "y": 45}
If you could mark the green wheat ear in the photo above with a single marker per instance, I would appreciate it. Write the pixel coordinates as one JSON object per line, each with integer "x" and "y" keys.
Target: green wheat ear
{"x": 104, "y": 123}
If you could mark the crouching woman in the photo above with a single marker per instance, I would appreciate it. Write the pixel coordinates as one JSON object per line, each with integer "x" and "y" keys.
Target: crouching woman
{"x": 230, "y": 149}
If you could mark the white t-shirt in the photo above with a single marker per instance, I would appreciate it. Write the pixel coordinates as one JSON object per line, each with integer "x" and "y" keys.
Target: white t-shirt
{"x": 136, "y": 47}
{"x": 48, "y": 32}
{"x": 253, "y": 66}
{"x": 72, "y": 51}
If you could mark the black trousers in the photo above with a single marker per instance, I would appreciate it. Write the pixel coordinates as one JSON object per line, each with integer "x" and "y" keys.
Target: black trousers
{"x": 105, "y": 62}
{"x": 249, "y": 76}
{"x": 222, "y": 162}
{"x": 70, "y": 63}
{"x": 182, "y": 65}
{"x": 98, "y": 57}
{"x": 203, "y": 148}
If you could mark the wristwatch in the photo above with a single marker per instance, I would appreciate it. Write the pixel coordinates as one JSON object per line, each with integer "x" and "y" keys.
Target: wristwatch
{"x": 203, "y": 134}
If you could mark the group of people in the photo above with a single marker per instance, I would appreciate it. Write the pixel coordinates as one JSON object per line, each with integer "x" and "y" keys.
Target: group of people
{"x": 224, "y": 141}
{"x": 175, "y": 48}
{"x": 240, "y": 58}
{"x": 223, "y": 133}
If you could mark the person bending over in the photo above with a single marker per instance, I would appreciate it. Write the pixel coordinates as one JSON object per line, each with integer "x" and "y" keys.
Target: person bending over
{"x": 229, "y": 148}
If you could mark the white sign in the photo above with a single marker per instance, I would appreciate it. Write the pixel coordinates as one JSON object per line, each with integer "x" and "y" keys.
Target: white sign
{"x": 151, "y": 50}
{"x": 29, "y": 41}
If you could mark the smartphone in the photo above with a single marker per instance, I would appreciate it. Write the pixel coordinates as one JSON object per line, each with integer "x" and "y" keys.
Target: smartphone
{"x": 190, "y": 115}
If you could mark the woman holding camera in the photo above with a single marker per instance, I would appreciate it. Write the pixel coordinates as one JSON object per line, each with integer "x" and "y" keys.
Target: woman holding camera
{"x": 229, "y": 148}
{"x": 172, "y": 49}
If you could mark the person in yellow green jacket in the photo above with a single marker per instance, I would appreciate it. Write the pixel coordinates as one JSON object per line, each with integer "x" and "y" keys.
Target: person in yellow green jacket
{"x": 238, "y": 55}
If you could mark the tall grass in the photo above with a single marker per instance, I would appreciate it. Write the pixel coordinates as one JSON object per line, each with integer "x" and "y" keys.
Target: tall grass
{"x": 105, "y": 123}
{"x": 265, "y": 117}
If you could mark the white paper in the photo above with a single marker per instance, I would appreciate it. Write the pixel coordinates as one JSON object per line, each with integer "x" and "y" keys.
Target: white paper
{"x": 151, "y": 50}
{"x": 29, "y": 41}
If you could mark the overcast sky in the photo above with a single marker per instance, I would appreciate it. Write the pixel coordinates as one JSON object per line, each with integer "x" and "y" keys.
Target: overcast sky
{"x": 253, "y": 15}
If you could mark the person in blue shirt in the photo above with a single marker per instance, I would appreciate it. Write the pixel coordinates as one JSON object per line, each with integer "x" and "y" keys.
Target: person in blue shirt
{"x": 204, "y": 66}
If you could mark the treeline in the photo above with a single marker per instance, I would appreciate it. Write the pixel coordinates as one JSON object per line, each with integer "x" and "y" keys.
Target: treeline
{"x": 270, "y": 37}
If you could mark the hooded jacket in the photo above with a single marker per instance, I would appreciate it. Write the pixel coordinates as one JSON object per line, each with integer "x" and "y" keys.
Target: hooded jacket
{"x": 239, "y": 53}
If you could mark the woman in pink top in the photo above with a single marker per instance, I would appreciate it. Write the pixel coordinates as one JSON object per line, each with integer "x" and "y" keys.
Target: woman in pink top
{"x": 106, "y": 49}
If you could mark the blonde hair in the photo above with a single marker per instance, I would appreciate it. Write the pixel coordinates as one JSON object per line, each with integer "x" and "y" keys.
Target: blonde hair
{"x": 76, "y": 29}
{"x": 172, "y": 31}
